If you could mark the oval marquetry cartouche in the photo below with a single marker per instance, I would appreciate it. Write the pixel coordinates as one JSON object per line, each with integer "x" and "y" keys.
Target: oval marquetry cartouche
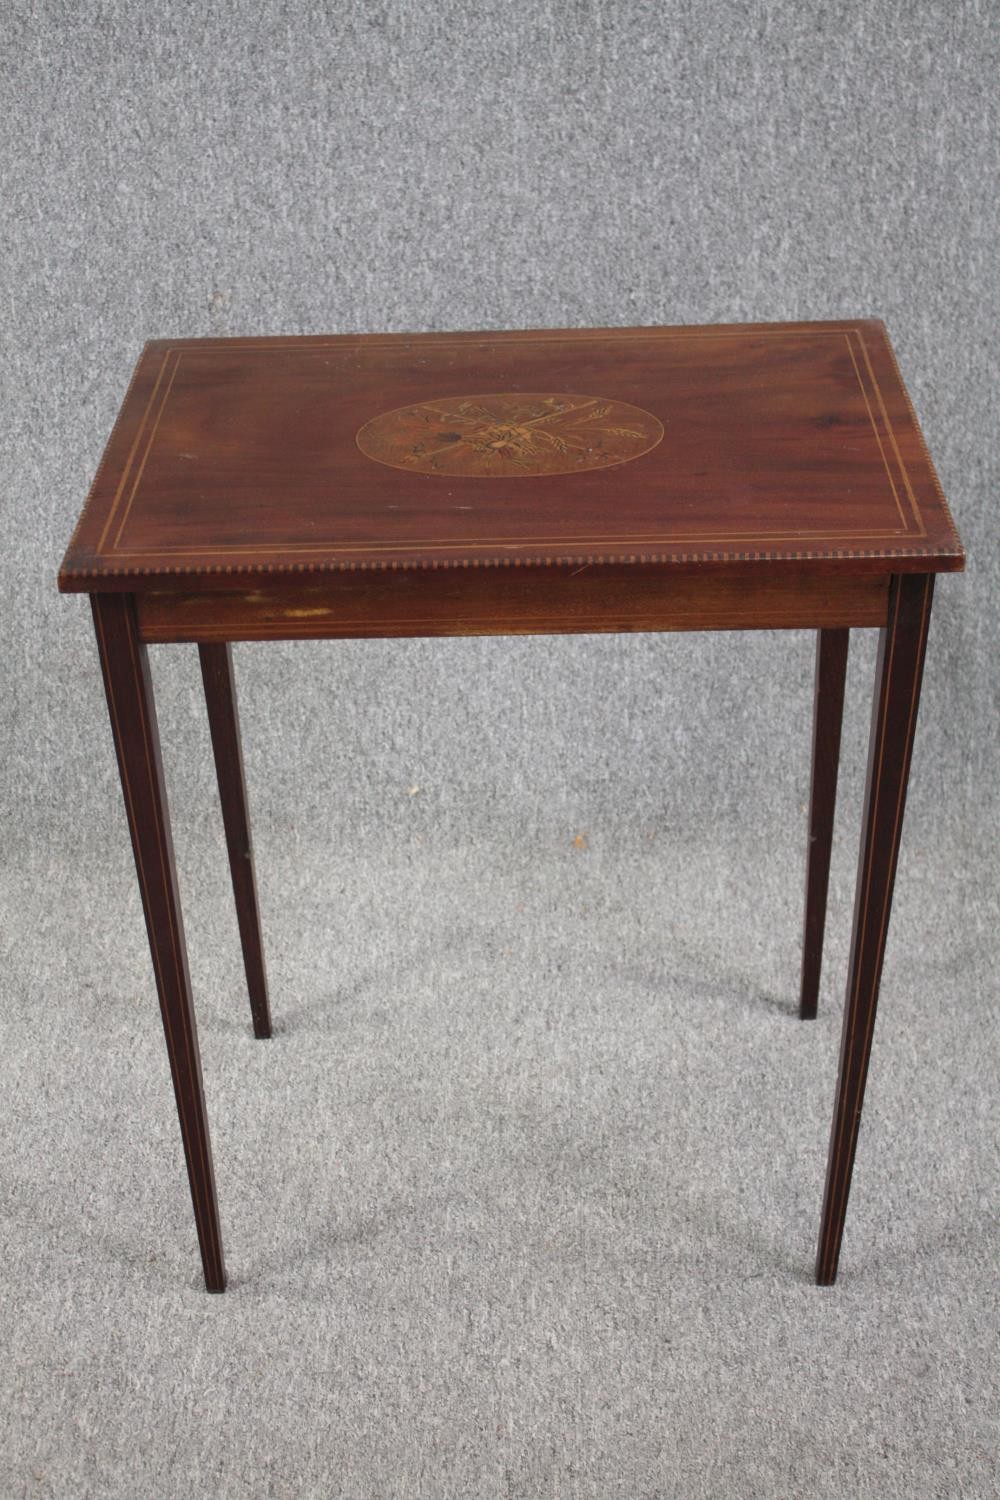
{"x": 510, "y": 435}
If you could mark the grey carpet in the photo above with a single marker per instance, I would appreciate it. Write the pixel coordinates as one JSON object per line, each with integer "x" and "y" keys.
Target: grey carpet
{"x": 521, "y": 1200}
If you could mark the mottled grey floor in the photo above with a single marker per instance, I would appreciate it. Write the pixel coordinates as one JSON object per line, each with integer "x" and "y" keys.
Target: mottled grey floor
{"x": 521, "y": 1200}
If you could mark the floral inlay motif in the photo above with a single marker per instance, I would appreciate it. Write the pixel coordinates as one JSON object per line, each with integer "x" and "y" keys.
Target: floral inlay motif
{"x": 510, "y": 435}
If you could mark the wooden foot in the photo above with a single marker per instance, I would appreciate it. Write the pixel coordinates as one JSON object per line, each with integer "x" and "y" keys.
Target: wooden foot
{"x": 223, "y": 720}
{"x": 828, "y": 714}
{"x": 897, "y": 694}
{"x": 133, "y": 721}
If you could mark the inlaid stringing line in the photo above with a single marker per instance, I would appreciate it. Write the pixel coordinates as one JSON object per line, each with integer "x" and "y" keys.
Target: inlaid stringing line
{"x": 541, "y": 541}
{"x": 133, "y": 823}
{"x": 131, "y": 453}
{"x": 145, "y": 456}
{"x": 870, "y": 822}
{"x": 878, "y": 439}
{"x": 892, "y": 436}
{"x": 179, "y": 966}
{"x": 850, "y": 1128}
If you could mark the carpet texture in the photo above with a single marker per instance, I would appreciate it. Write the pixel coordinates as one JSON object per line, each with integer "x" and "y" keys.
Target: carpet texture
{"x": 521, "y": 1200}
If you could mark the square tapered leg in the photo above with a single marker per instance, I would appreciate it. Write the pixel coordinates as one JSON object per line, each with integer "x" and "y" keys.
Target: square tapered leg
{"x": 828, "y": 714}
{"x": 897, "y": 694}
{"x": 223, "y": 719}
{"x": 133, "y": 721}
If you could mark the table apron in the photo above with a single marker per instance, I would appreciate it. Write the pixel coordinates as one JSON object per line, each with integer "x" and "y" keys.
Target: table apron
{"x": 515, "y": 601}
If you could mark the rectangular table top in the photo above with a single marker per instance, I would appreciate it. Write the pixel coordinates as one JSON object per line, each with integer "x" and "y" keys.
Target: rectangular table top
{"x": 698, "y": 448}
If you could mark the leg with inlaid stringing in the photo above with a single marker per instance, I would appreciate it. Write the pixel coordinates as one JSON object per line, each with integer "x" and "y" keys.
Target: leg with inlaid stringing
{"x": 133, "y": 721}
{"x": 900, "y": 668}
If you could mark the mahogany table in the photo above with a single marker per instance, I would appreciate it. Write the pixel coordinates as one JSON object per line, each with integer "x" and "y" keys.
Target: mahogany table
{"x": 724, "y": 478}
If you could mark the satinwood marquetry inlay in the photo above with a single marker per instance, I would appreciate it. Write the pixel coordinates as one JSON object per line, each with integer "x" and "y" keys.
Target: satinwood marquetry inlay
{"x": 510, "y": 435}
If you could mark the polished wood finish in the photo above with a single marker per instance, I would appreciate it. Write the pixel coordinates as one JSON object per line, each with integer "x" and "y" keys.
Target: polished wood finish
{"x": 739, "y": 477}
{"x": 515, "y": 601}
{"x": 137, "y": 744}
{"x": 781, "y": 442}
{"x": 902, "y": 645}
{"x": 828, "y": 714}
{"x": 224, "y": 724}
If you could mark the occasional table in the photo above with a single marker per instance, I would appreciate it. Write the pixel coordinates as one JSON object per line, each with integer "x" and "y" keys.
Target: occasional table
{"x": 645, "y": 479}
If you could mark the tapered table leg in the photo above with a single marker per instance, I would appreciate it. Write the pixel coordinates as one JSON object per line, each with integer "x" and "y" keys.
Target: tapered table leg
{"x": 133, "y": 721}
{"x": 223, "y": 720}
{"x": 897, "y": 694}
{"x": 828, "y": 714}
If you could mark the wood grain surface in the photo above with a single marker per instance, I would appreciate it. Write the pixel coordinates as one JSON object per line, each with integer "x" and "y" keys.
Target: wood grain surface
{"x": 559, "y": 600}
{"x": 248, "y": 457}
